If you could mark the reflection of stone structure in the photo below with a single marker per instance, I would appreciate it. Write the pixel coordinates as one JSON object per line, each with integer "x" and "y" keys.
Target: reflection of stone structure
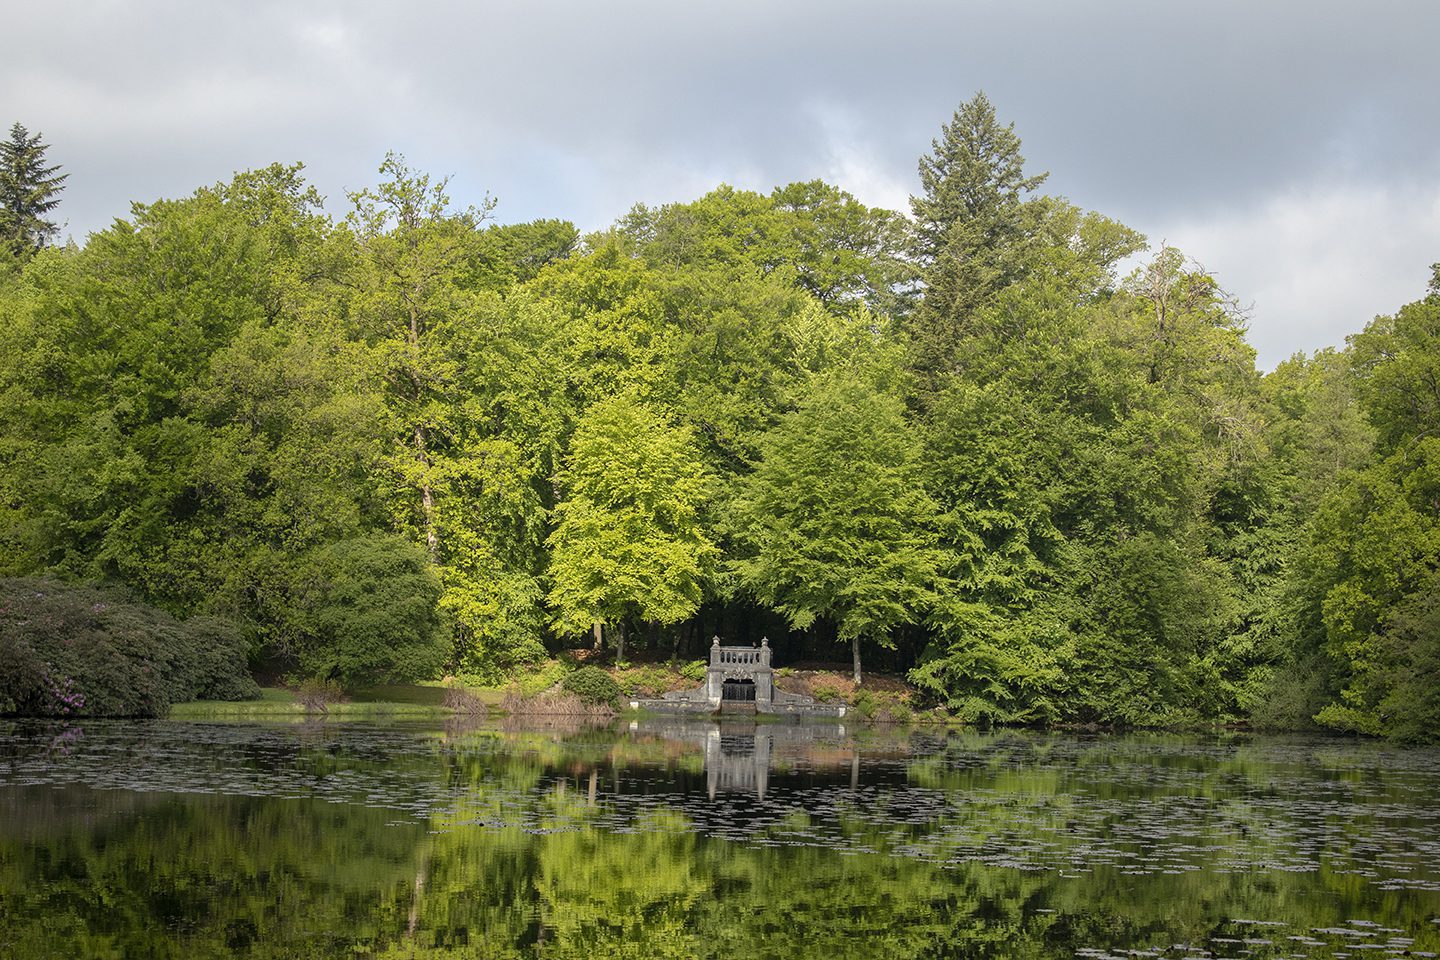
{"x": 737, "y": 763}
{"x": 740, "y": 675}
{"x": 738, "y": 754}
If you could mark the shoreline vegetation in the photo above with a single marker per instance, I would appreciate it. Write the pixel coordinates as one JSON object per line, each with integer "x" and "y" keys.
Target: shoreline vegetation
{"x": 998, "y": 451}
{"x": 888, "y": 701}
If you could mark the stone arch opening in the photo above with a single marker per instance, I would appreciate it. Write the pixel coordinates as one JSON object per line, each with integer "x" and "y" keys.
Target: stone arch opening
{"x": 741, "y": 691}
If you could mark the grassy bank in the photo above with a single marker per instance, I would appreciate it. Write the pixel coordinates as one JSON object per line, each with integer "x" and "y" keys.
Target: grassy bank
{"x": 373, "y": 703}
{"x": 537, "y": 691}
{"x": 881, "y": 698}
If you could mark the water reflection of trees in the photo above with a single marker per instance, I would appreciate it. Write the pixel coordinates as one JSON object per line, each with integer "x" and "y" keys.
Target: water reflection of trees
{"x": 127, "y": 874}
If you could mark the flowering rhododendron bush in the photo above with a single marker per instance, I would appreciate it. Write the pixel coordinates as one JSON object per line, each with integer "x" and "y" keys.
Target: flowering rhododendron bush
{"x": 69, "y": 650}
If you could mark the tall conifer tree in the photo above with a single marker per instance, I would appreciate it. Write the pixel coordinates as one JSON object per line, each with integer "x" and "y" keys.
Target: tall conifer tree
{"x": 971, "y": 224}
{"x": 29, "y": 191}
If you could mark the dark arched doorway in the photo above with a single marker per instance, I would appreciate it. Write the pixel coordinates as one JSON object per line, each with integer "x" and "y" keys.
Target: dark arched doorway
{"x": 740, "y": 691}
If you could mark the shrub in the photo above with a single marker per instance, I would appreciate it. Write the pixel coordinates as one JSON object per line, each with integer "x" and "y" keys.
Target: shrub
{"x": 649, "y": 681}
{"x": 70, "y": 650}
{"x": 592, "y": 685}
{"x": 1295, "y": 693}
{"x": 882, "y": 707}
{"x": 553, "y": 710}
{"x": 825, "y": 692}
{"x": 460, "y": 700}
{"x": 315, "y": 696}
{"x": 499, "y": 622}
{"x": 550, "y": 674}
{"x": 217, "y": 670}
{"x": 533, "y": 677}
{"x": 694, "y": 671}
{"x": 370, "y": 613}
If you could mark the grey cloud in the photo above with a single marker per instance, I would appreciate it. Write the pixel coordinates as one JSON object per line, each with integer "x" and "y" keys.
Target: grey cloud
{"x": 1167, "y": 116}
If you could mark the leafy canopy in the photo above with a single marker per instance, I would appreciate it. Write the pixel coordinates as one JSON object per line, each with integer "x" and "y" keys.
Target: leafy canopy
{"x": 834, "y": 522}
{"x": 629, "y": 538}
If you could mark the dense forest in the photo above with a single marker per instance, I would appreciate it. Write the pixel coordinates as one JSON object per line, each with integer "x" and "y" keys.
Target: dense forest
{"x": 999, "y": 444}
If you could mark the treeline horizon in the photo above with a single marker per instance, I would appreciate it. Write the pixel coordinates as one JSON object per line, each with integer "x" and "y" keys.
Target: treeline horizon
{"x": 410, "y": 440}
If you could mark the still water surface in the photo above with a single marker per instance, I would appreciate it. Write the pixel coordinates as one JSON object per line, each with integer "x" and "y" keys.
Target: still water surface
{"x": 657, "y": 839}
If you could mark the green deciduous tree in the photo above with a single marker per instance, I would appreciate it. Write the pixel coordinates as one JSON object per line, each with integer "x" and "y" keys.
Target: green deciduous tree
{"x": 413, "y": 247}
{"x": 834, "y": 523}
{"x": 729, "y": 356}
{"x": 810, "y": 234}
{"x": 629, "y": 541}
{"x": 726, "y": 227}
{"x": 1085, "y": 439}
{"x": 472, "y": 403}
{"x": 1371, "y": 545}
{"x": 160, "y": 400}
{"x": 1396, "y": 360}
{"x": 999, "y": 642}
{"x": 1363, "y": 582}
{"x": 612, "y": 336}
{"x": 1317, "y": 428}
{"x": 516, "y": 252}
{"x": 1405, "y": 671}
{"x": 847, "y": 254}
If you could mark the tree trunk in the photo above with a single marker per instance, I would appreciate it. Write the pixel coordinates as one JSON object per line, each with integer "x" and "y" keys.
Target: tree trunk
{"x": 855, "y": 651}
{"x": 599, "y": 634}
{"x": 427, "y": 499}
{"x": 620, "y": 654}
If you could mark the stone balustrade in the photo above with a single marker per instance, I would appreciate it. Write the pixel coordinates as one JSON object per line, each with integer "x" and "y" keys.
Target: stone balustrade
{"x": 740, "y": 656}
{"x": 742, "y": 677}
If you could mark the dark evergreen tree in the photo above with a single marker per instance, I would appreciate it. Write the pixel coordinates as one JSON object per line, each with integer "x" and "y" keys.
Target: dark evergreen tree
{"x": 970, "y": 224}
{"x": 29, "y": 191}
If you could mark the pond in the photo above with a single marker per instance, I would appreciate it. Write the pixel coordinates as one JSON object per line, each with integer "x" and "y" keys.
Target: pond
{"x": 692, "y": 839}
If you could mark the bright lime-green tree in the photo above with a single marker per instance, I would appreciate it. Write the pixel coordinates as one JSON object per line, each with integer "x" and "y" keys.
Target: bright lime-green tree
{"x": 468, "y": 386}
{"x": 629, "y": 540}
{"x": 412, "y": 247}
{"x": 612, "y": 335}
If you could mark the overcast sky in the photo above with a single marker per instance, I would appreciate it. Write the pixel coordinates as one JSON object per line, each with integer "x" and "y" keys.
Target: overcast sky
{"x": 1293, "y": 148}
